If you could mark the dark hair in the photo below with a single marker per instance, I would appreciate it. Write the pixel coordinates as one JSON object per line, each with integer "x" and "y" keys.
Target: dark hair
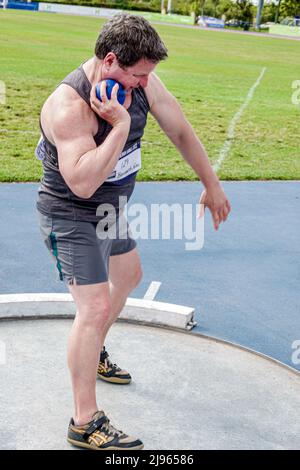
{"x": 130, "y": 38}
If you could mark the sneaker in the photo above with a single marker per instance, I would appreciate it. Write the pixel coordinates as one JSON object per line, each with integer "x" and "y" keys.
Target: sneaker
{"x": 99, "y": 434}
{"x": 111, "y": 372}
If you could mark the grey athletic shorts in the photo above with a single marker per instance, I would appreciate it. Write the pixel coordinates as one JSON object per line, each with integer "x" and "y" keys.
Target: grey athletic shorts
{"x": 78, "y": 252}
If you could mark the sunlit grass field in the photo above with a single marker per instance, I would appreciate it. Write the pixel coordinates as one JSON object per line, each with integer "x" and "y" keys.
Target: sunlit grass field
{"x": 210, "y": 73}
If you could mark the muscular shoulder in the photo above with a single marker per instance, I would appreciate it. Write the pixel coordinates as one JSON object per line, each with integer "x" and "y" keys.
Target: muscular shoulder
{"x": 66, "y": 112}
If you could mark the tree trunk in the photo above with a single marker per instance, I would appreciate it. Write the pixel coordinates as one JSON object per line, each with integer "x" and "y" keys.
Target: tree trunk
{"x": 277, "y": 11}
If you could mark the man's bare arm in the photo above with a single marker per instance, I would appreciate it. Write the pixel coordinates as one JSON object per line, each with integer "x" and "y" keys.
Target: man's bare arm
{"x": 168, "y": 113}
{"x": 83, "y": 165}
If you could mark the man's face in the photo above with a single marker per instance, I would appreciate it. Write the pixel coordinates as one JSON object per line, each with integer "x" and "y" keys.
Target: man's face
{"x": 130, "y": 77}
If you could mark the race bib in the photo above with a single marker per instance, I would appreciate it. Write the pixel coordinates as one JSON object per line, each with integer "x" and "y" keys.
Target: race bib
{"x": 40, "y": 151}
{"x": 129, "y": 162}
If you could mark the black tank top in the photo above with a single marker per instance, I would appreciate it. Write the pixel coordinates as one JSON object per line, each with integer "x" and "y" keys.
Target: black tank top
{"x": 54, "y": 196}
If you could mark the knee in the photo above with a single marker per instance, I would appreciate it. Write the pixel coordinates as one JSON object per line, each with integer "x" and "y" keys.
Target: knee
{"x": 96, "y": 314}
{"x": 136, "y": 276}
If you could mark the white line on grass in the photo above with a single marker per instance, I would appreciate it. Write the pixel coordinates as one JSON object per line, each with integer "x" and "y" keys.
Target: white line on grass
{"x": 231, "y": 129}
{"x": 8, "y": 131}
{"x": 152, "y": 290}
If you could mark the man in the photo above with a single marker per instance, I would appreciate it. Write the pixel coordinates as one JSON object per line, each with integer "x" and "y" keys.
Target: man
{"x": 81, "y": 147}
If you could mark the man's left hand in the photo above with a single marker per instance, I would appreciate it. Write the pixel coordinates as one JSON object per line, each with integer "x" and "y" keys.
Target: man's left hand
{"x": 215, "y": 199}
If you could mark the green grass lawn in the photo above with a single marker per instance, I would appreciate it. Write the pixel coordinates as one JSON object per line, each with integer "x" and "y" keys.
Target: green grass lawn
{"x": 210, "y": 73}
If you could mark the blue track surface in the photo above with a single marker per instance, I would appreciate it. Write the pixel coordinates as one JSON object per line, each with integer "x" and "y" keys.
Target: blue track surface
{"x": 244, "y": 283}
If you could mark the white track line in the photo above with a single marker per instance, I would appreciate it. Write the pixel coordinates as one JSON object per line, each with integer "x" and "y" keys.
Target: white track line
{"x": 152, "y": 290}
{"x": 231, "y": 129}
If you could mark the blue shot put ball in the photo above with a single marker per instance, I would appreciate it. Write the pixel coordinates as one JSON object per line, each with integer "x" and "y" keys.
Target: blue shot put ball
{"x": 109, "y": 86}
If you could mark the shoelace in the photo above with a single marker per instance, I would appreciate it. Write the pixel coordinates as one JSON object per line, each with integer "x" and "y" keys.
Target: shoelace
{"x": 108, "y": 364}
{"x": 111, "y": 430}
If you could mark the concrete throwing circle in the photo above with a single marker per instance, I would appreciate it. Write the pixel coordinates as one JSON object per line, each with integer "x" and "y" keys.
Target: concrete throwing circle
{"x": 188, "y": 392}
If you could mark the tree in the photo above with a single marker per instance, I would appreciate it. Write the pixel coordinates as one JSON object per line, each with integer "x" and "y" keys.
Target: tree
{"x": 269, "y": 12}
{"x": 181, "y": 6}
{"x": 245, "y": 9}
{"x": 201, "y": 5}
{"x": 204, "y": 7}
{"x": 289, "y": 8}
{"x": 227, "y": 8}
{"x": 197, "y": 6}
{"x": 277, "y": 11}
{"x": 242, "y": 10}
{"x": 215, "y": 4}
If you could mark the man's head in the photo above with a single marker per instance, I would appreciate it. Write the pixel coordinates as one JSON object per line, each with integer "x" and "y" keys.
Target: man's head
{"x": 131, "y": 38}
{"x": 129, "y": 49}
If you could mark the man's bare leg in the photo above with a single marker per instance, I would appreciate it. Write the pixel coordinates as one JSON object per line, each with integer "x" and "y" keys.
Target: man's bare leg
{"x": 98, "y": 306}
{"x": 85, "y": 343}
{"x": 124, "y": 275}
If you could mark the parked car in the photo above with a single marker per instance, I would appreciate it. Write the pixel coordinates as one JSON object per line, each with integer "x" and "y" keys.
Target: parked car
{"x": 210, "y": 22}
{"x": 289, "y": 21}
{"x": 239, "y": 24}
{"x": 266, "y": 25}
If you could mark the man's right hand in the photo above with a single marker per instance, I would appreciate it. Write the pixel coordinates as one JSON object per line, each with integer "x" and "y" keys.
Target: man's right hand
{"x": 84, "y": 165}
{"x": 109, "y": 109}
